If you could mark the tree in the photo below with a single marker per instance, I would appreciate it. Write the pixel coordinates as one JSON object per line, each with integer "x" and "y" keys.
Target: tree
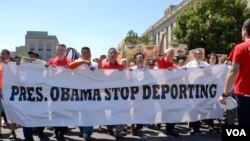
{"x": 212, "y": 24}
{"x": 132, "y": 37}
{"x": 144, "y": 39}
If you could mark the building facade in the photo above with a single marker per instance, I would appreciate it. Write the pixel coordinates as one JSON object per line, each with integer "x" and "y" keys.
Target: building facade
{"x": 166, "y": 23}
{"x": 42, "y": 43}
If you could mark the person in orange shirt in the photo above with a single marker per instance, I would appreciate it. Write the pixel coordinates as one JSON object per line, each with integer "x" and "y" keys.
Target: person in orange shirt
{"x": 1, "y": 106}
{"x": 5, "y": 57}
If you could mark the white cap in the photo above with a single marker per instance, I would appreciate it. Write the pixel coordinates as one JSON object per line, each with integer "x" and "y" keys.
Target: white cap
{"x": 124, "y": 59}
{"x": 168, "y": 50}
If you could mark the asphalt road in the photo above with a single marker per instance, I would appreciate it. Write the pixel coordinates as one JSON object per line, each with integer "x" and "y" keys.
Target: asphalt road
{"x": 100, "y": 134}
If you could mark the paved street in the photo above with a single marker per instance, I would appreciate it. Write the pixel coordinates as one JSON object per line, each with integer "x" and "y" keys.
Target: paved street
{"x": 73, "y": 134}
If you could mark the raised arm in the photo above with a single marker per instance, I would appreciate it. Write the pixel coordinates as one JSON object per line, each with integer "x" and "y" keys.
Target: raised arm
{"x": 161, "y": 47}
{"x": 101, "y": 58}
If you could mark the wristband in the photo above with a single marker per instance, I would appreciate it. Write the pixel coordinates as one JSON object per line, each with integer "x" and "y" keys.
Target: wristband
{"x": 224, "y": 95}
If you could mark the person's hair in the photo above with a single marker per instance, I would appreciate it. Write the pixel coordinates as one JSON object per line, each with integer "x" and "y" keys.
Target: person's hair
{"x": 6, "y": 50}
{"x": 247, "y": 26}
{"x": 96, "y": 59}
{"x": 168, "y": 50}
{"x": 112, "y": 49}
{"x": 197, "y": 51}
{"x": 139, "y": 54}
{"x": 216, "y": 56}
{"x": 151, "y": 61}
{"x": 62, "y": 45}
{"x": 87, "y": 48}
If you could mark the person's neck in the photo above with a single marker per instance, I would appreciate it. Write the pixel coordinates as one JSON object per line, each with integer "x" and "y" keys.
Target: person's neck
{"x": 112, "y": 61}
{"x": 139, "y": 65}
{"x": 168, "y": 60}
{"x": 86, "y": 59}
{"x": 247, "y": 38}
{"x": 60, "y": 58}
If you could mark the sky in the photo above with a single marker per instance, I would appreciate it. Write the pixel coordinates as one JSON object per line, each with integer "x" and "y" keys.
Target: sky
{"x": 98, "y": 24}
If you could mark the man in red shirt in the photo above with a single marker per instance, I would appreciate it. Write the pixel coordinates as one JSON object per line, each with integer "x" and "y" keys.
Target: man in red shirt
{"x": 239, "y": 76}
{"x": 111, "y": 63}
{"x": 60, "y": 60}
{"x": 165, "y": 61}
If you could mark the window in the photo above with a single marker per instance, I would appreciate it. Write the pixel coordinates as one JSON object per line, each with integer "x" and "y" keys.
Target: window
{"x": 48, "y": 56}
{"x": 48, "y": 47}
{"x": 40, "y": 47}
{"x": 32, "y": 47}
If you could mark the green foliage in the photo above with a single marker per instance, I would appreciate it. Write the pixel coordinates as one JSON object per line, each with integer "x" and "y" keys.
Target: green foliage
{"x": 132, "y": 38}
{"x": 124, "y": 54}
{"x": 131, "y": 59}
{"x": 212, "y": 24}
{"x": 144, "y": 39}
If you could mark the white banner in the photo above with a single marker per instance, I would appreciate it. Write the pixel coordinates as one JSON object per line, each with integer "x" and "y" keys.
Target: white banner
{"x": 38, "y": 96}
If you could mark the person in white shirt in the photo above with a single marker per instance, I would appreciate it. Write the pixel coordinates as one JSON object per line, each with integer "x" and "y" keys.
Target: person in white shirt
{"x": 139, "y": 66}
{"x": 86, "y": 56}
{"x": 87, "y": 64}
{"x": 196, "y": 63}
{"x": 151, "y": 64}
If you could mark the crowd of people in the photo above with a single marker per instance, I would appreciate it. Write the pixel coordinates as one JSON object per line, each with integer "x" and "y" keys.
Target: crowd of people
{"x": 165, "y": 61}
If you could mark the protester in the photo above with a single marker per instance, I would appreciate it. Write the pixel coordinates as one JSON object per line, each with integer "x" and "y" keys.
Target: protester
{"x": 1, "y": 86}
{"x": 165, "y": 61}
{"x": 87, "y": 64}
{"x": 131, "y": 64}
{"x": 124, "y": 62}
{"x": 212, "y": 60}
{"x": 5, "y": 57}
{"x": 60, "y": 60}
{"x": 196, "y": 63}
{"x": 181, "y": 62}
{"x": 151, "y": 64}
{"x": 96, "y": 60}
{"x": 111, "y": 63}
{"x": 139, "y": 67}
{"x": 28, "y": 131}
{"x": 239, "y": 76}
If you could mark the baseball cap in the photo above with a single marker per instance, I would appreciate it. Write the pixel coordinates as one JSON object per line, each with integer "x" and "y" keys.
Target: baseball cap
{"x": 33, "y": 52}
{"x": 168, "y": 50}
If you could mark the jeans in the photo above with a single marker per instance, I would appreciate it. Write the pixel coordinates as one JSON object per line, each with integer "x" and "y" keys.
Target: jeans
{"x": 28, "y": 133}
{"x": 243, "y": 109}
{"x": 87, "y": 130}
